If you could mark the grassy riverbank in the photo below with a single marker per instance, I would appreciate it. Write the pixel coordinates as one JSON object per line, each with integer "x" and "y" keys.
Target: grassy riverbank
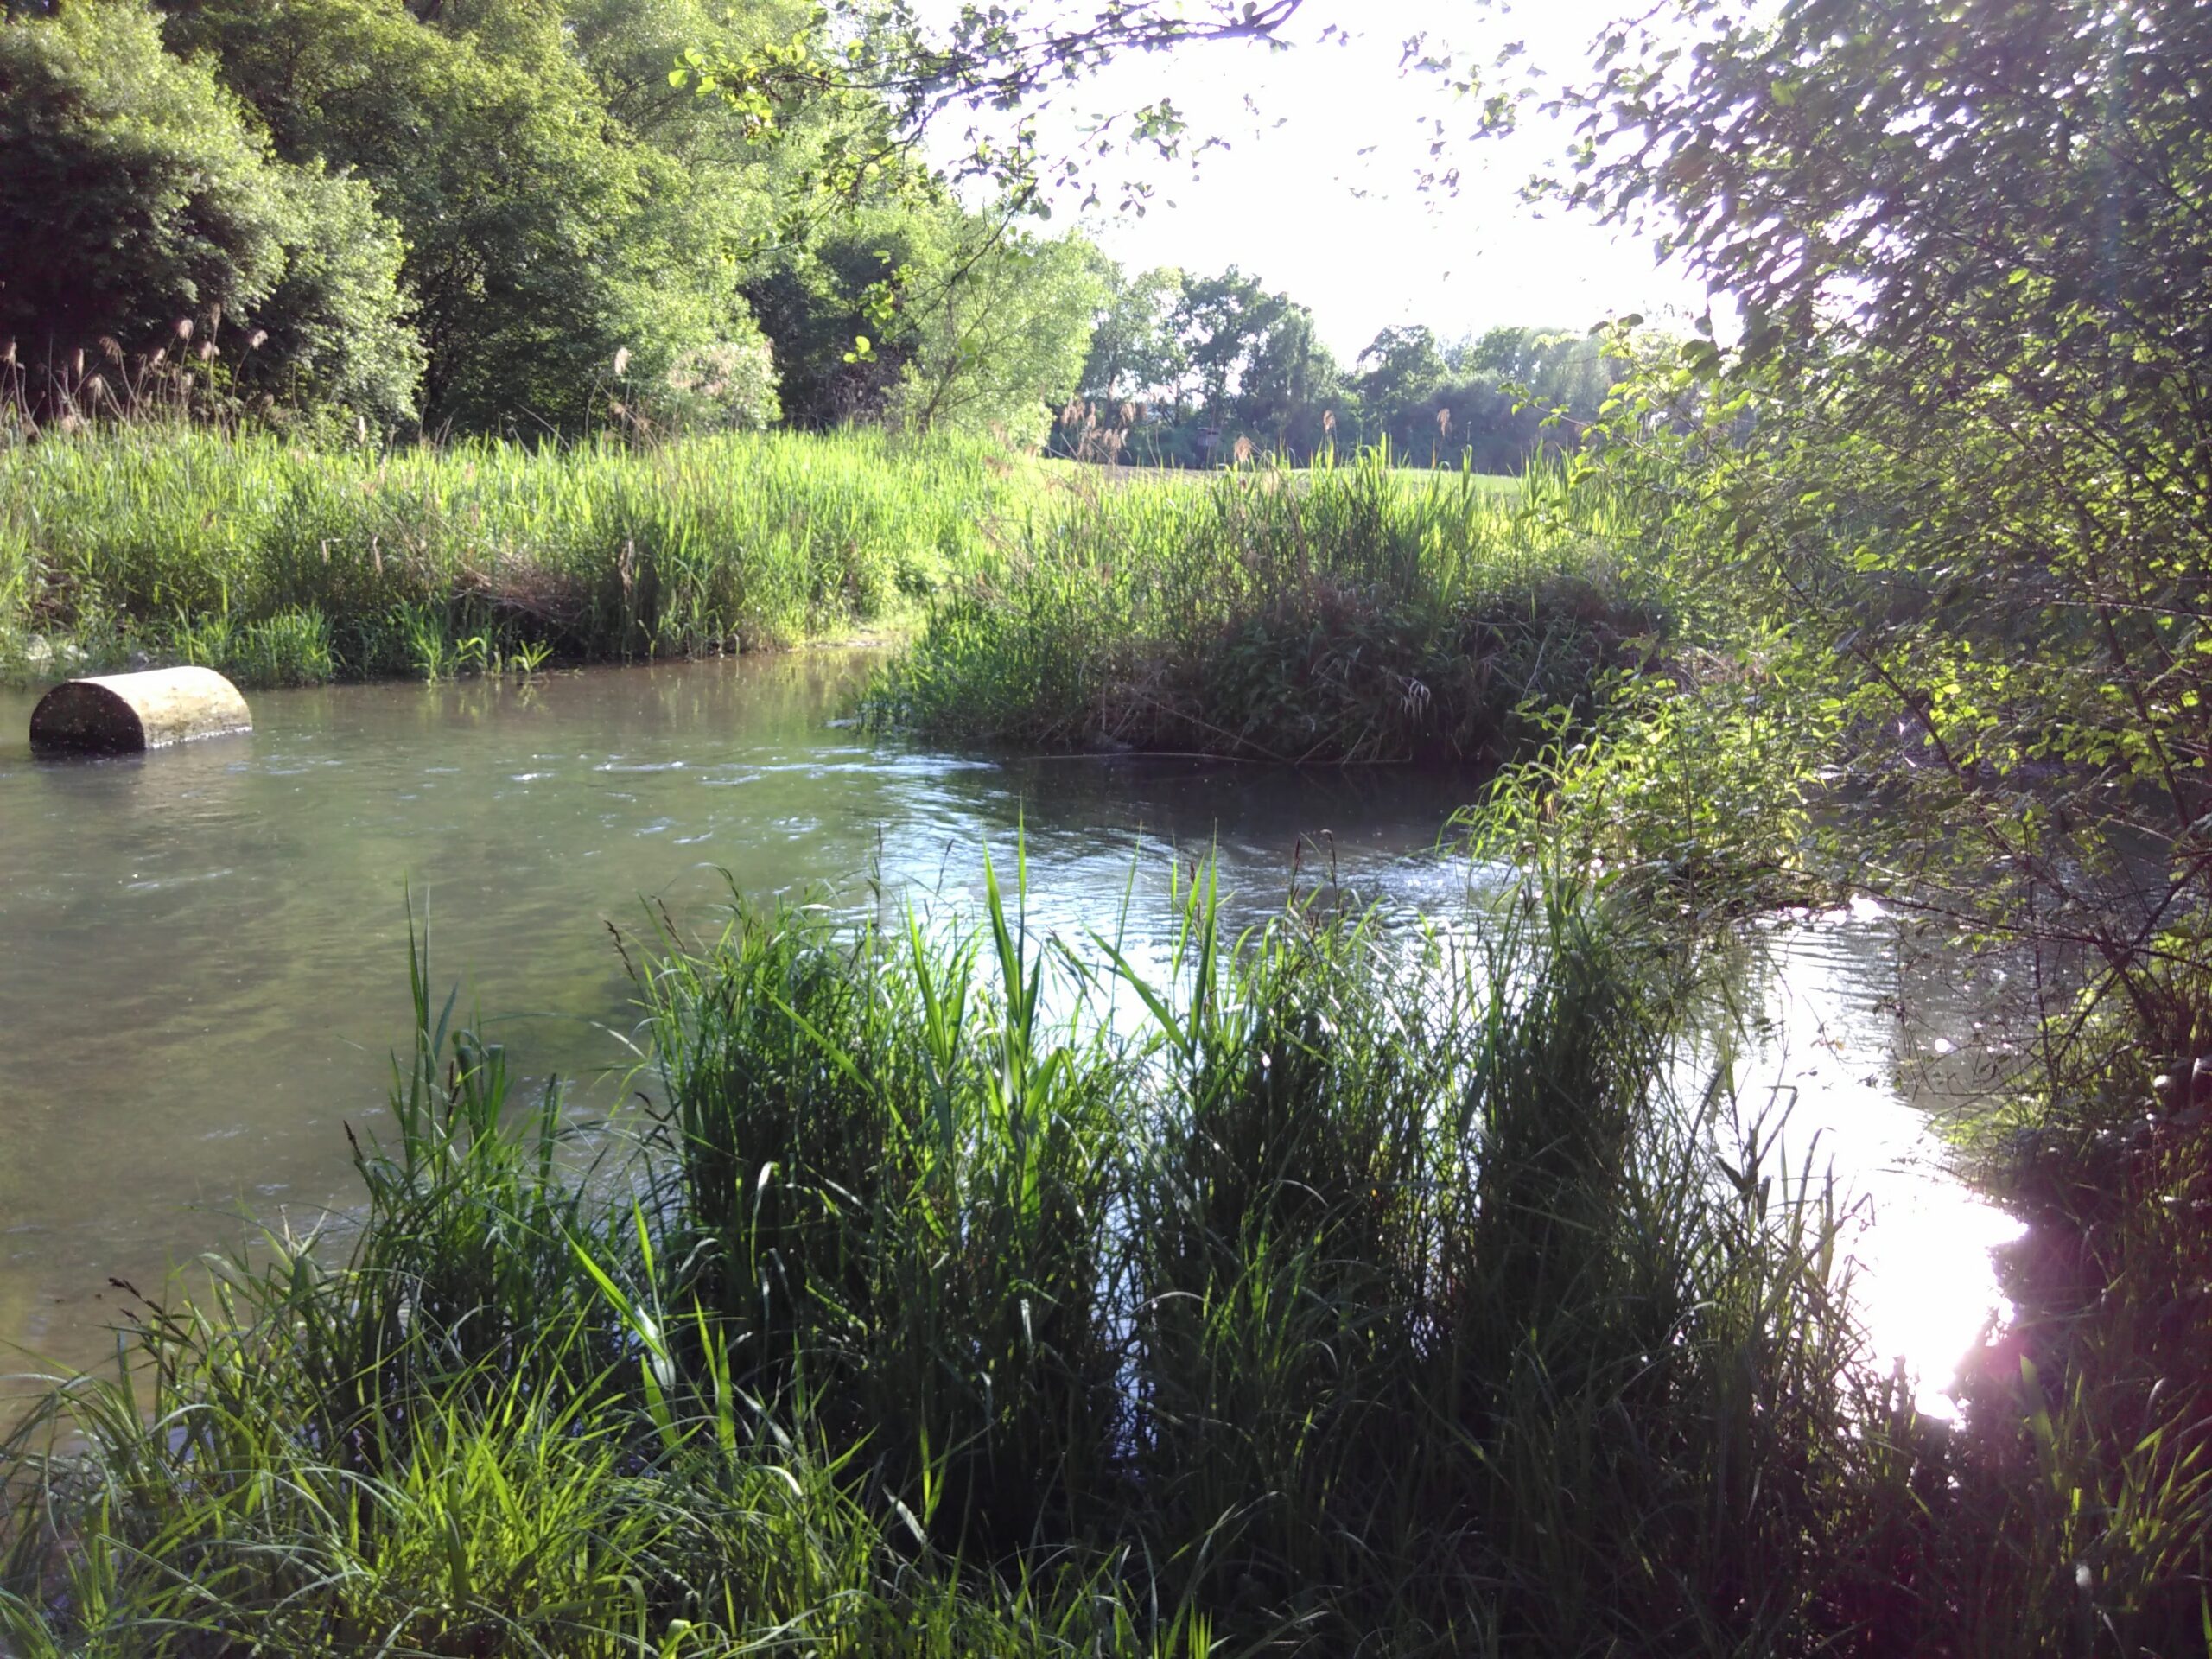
{"x": 1358, "y": 1295}
{"x": 282, "y": 564}
{"x": 1338, "y": 615}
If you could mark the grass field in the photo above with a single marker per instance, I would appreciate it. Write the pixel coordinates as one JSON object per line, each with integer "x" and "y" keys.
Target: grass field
{"x": 1505, "y": 485}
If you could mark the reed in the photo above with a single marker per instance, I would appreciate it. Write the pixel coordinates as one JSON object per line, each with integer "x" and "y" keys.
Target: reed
{"x": 1340, "y": 616}
{"x": 180, "y": 542}
{"x": 1317, "y": 1290}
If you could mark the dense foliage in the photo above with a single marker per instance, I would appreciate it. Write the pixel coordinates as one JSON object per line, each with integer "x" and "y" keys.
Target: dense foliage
{"x": 1938, "y": 493}
{"x": 1960, "y": 456}
{"x": 139, "y": 202}
{"x": 497, "y": 217}
{"x": 277, "y": 563}
{"x": 1188, "y": 370}
{"x": 656, "y": 216}
{"x": 559, "y": 205}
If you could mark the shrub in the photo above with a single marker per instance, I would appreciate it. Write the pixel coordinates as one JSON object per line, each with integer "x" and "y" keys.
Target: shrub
{"x": 140, "y": 211}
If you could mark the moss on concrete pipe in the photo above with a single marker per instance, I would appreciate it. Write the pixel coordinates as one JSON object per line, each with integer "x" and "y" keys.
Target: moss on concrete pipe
{"x": 122, "y": 714}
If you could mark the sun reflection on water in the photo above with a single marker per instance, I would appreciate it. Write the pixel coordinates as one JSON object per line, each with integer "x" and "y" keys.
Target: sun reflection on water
{"x": 1831, "y": 1047}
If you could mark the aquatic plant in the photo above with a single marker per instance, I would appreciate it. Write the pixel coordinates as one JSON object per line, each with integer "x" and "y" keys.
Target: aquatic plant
{"x": 1322, "y": 1288}
{"x": 594, "y": 552}
{"x": 976, "y": 1292}
{"x": 1344, "y": 614}
{"x": 290, "y": 647}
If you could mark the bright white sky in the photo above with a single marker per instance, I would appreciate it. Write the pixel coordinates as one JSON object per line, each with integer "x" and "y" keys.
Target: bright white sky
{"x": 1294, "y": 203}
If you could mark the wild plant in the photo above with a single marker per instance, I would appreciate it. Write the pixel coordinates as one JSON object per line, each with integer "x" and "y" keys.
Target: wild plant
{"x": 1345, "y": 615}
{"x": 594, "y": 552}
{"x": 1319, "y": 1288}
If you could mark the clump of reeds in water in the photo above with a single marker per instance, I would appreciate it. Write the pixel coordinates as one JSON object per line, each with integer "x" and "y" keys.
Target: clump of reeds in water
{"x": 1319, "y": 1290}
{"x": 1347, "y": 614}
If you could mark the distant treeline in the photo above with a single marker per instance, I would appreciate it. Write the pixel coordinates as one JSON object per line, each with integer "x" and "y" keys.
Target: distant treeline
{"x": 1191, "y": 372}
{"x": 539, "y": 217}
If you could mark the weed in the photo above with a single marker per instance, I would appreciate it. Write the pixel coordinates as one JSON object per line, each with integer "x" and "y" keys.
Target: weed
{"x": 1322, "y": 1289}
{"x": 596, "y": 552}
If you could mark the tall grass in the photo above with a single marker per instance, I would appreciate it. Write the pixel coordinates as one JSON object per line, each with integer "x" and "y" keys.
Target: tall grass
{"x": 1339, "y": 615}
{"x": 147, "y": 535}
{"x": 1343, "y": 614}
{"x": 1313, "y": 1291}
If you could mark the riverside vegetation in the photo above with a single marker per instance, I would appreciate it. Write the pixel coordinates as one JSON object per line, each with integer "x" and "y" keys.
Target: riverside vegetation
{"x": 1344, "y": 1292}
{"x": 1319, "y": 1290}
{"x": 291, "y": 564}
{"x": 1341, "y": 615}
{"x": 1344, "y": 613}
{"x": 1370, "y": 1292}
{"x": 1366, "y": 1300}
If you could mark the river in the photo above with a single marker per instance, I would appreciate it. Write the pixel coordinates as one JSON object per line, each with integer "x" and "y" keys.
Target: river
{"x": 203, "y": 950}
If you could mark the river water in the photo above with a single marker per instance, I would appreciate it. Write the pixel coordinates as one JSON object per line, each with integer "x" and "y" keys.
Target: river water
{"x": 203, "y": 950}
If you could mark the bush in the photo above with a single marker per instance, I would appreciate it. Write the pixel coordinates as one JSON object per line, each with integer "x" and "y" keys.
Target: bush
{"x": 727, "y": 386}
{"x": 140, "y": 211}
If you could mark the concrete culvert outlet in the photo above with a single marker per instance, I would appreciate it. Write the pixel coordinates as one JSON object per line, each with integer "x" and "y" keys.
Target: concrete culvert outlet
{"x": 122, "y": 714}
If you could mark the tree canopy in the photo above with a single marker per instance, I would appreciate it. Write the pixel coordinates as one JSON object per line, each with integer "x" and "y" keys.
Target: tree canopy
{"x": 534, "y": 217}
{"x": 559, "y": 205}
{"x": 1959, "y": 451}
{"x": 138, "y": 202}
{"x": 512, "y": 217}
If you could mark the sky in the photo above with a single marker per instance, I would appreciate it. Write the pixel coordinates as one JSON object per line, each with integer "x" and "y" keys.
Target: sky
{"x": 1293, "y": 201}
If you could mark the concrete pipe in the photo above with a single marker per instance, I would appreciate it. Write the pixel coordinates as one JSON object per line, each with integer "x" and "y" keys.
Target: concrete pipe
{"x": 122, "y": 714}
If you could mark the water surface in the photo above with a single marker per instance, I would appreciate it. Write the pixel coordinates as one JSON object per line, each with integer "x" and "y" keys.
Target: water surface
{"x": 203, "y": 950}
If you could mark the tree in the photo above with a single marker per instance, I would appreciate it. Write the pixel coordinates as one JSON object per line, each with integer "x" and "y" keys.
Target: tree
{"x": 835, "y": 305}
{"x": 919, "y": 66}
{"x": 1222, "y": 322}
{"x": 999, "y": 332}
{"x": 1403, "y": 368}
{"x": 1404, "y": 365}
{"x": 134, "y": 194}
{"x": 1134, "y": 352}
{"x": 1963, "y": 449}
{"x": 1289, "y": 377}
{"x": 336, "y": 331}
{"x": 545, "y": 234}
